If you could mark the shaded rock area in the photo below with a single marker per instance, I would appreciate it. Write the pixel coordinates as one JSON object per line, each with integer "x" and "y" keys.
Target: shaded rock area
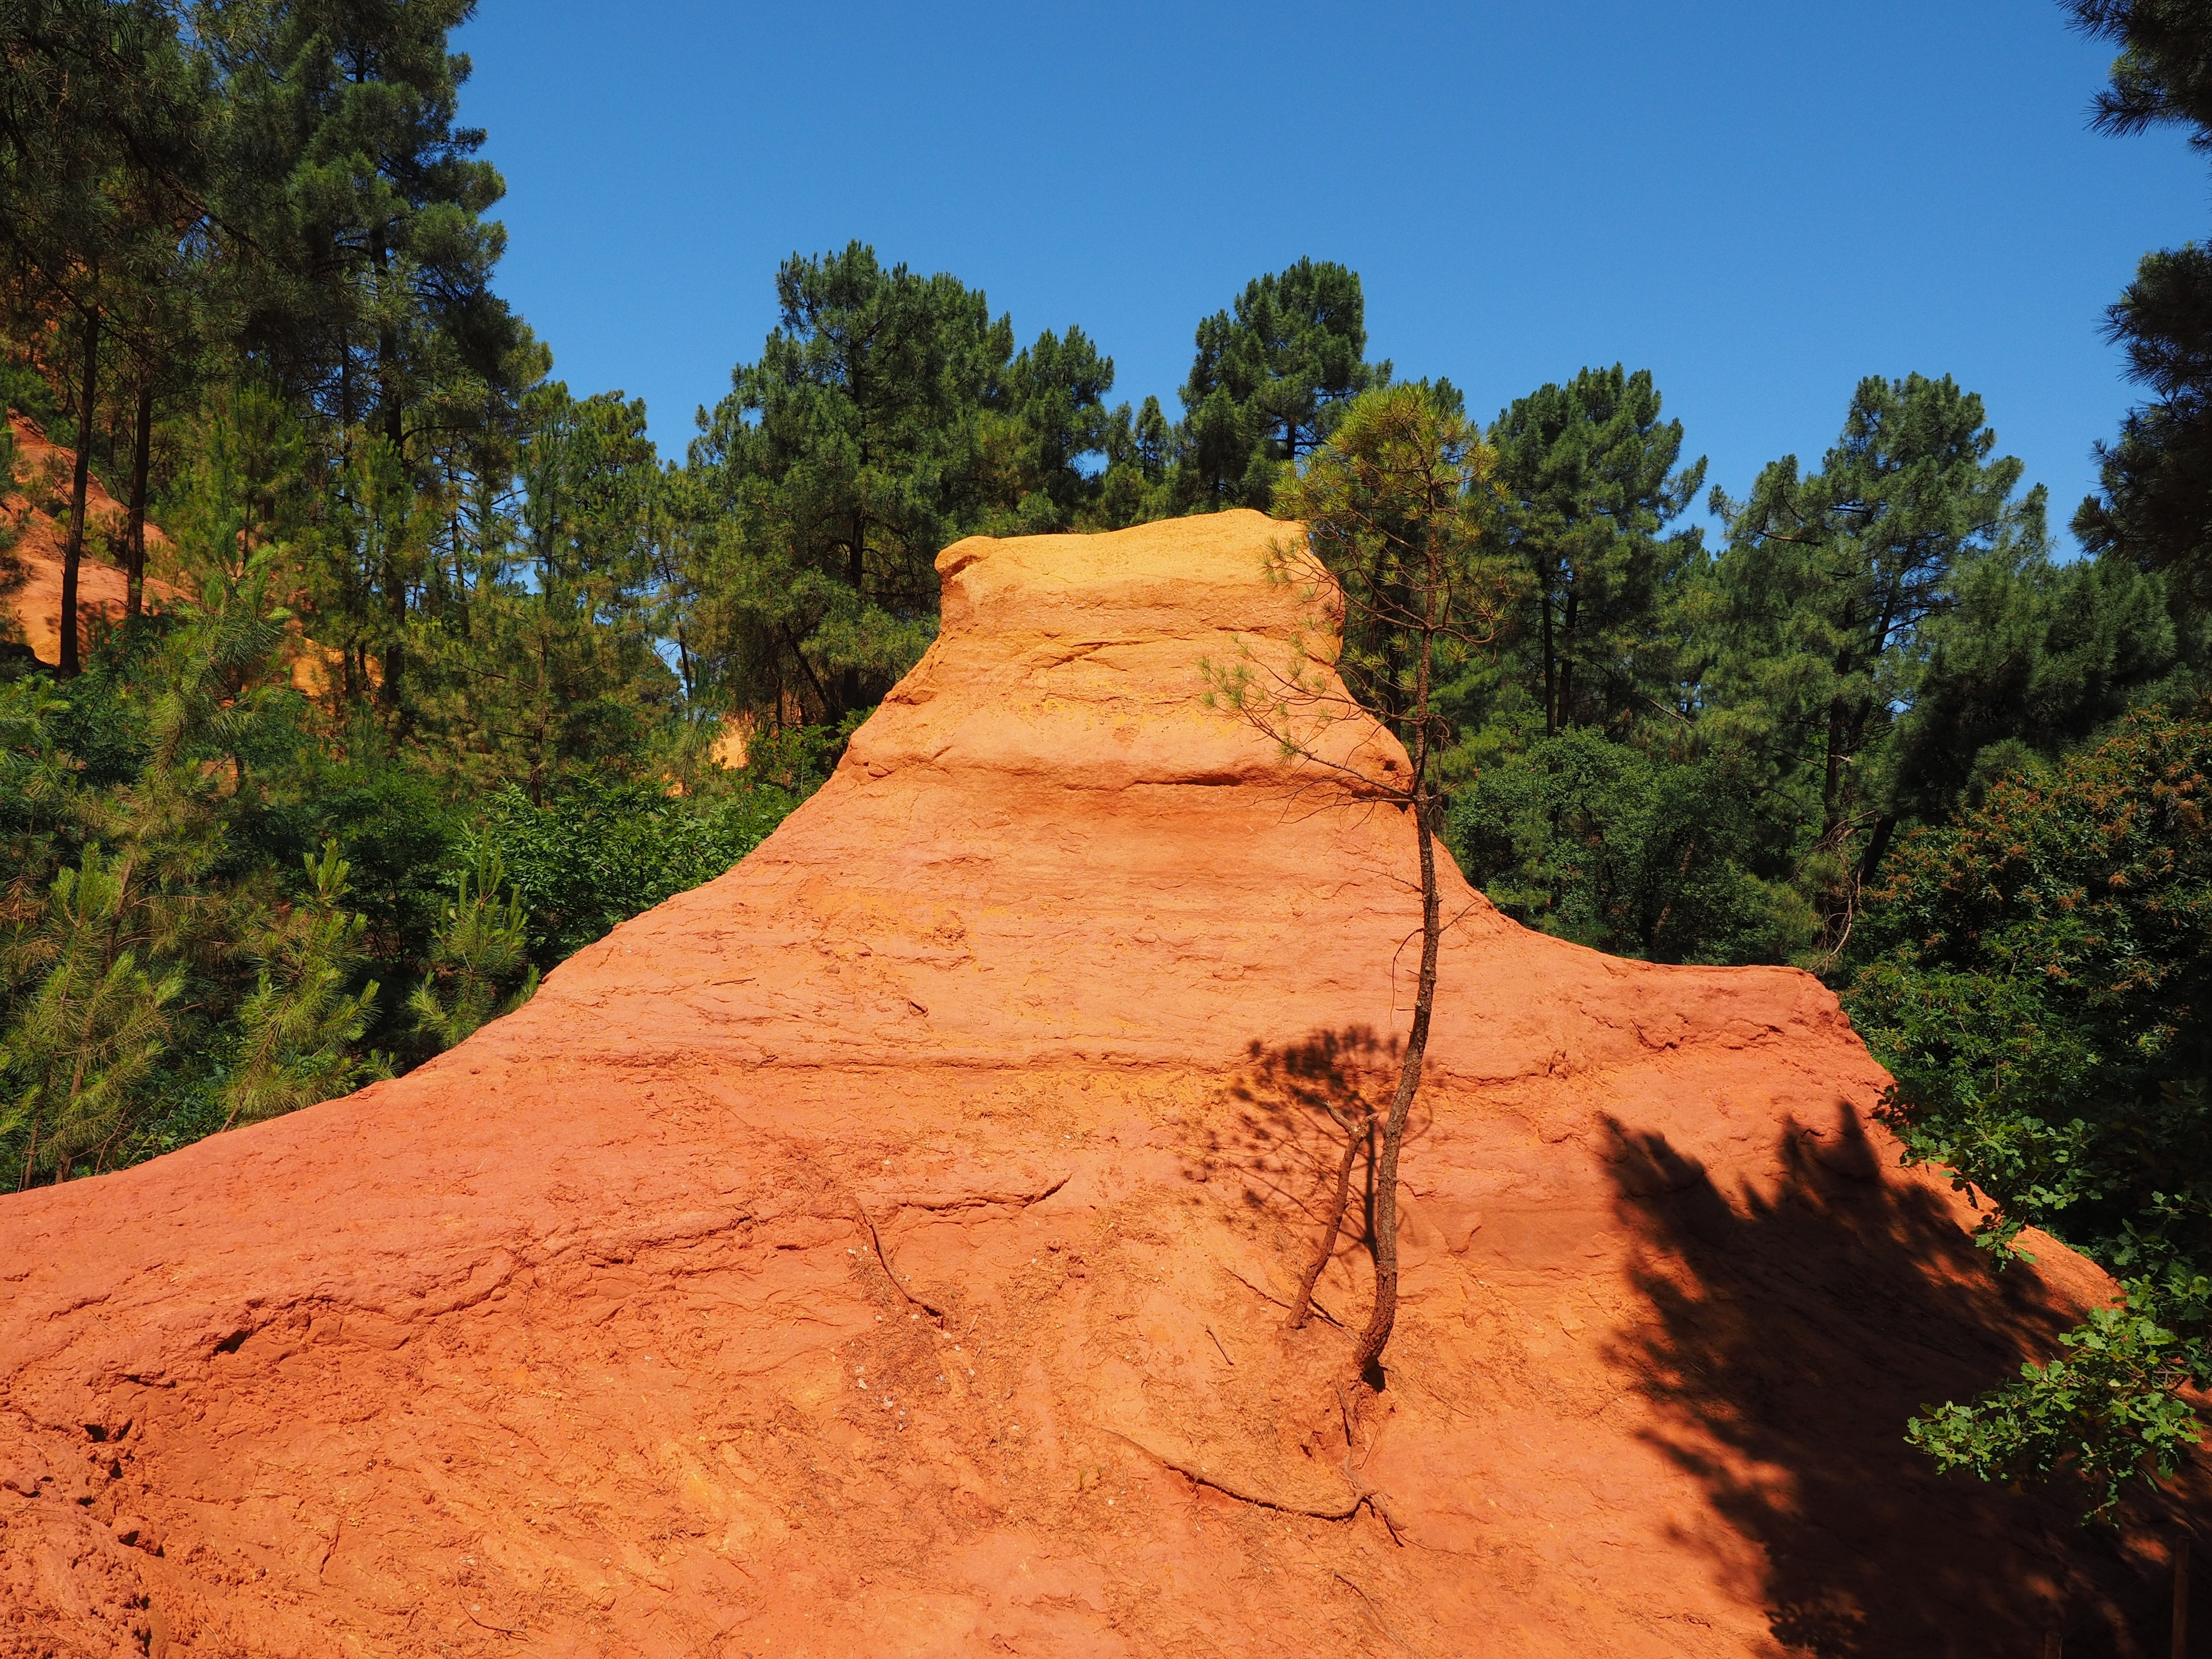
{"x": 885, "y": 1249}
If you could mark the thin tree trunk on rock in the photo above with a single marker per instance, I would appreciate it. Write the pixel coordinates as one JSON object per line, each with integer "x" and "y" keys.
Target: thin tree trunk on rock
{"x": 1379, "y": 1324}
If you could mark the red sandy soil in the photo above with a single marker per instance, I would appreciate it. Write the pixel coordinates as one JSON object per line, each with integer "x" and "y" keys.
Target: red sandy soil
{"x": 884, "y": 1251}
{"x": 33, "y": 598}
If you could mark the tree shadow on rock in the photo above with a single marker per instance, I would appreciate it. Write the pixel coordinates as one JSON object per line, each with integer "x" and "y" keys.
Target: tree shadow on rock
{"x": 1302, "y": 1110}
{"x": 1786, "y": 1338}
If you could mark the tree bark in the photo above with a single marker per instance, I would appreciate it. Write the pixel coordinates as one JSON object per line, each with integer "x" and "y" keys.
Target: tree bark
{"x": 1567, "y": 657}
{"x": 394, "y": 655}
{"x": 1831, "y": 772}
{"x": 142, "y": 450}
{"x": 1385, "y": 1315}
{"x": 1877, "y": 847}
{"x": 1385, "y": 1230}
{"x": 73, "y": 547}
{"x": 393, "y": 420}
{"x": 1550, "y": 662}
{"x": 387, "y": 354}
{"x": 848, "y": 682}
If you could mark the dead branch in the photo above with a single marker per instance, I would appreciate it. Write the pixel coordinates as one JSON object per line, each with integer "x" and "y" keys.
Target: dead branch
{"x": 884, "y": 1257}
{"x": 1200, "y": 1478}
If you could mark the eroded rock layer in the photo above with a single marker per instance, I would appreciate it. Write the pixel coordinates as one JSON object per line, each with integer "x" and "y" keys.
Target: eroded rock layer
{"x": 883, "y": 1249}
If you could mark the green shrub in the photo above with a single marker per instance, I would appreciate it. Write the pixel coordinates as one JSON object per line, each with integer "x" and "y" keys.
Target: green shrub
{"x": 605, "y": 848}
{"x": 2038, "y": 979}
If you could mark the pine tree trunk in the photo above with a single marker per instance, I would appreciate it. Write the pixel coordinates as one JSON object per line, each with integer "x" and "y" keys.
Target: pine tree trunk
{"x": 1550, "y": 662}
{"x": 1831, "y": 773}
{"x": 848, "y": 682}
{"x": 73, "y": 548}
{"x": 1385, "y": 1315}
{"x": 1877, "y": 847}
{"x": 142, "y": 450}
{"x": 1567, "y": 660}
{"x": 395, "y": 434}
{"x": 1385, "y": 1230}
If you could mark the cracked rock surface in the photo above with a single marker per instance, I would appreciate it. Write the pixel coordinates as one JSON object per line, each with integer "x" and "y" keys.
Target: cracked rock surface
{"x": 885, "y": 1249}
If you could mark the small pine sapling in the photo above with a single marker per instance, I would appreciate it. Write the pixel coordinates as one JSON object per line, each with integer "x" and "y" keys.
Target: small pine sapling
{"x": 483, "y": 945}
{"x": 84, "y": 1041}
{"x": 1395, "y": 505}
{"x": 299, "y": 1025}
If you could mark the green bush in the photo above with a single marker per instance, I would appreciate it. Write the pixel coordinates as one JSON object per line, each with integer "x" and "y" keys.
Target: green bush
{"x": 2038, "y": 979}
{"x": 606, "y": 848}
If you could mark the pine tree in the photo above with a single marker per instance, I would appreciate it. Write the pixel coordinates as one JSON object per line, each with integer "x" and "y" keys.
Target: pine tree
{"x": 362, "y": 258}
{"x": 1591, "y": 481}
{"x": 1270, "y": 377}
{"x": 299, "y": 1029}
{"x": 2034, "y": 659}
{"x": 481, "y": 949}
{"x": 83, "y": 1041}
{"x": 2155, "y": 503}
{"x": 101, "y": 158}
{"x": 1134, "y": 487}
{"x": 1050, "y": 402}
{"x": 1830, "y": 580}
{"x": 1395, "y": 505}
{"x": 840, "y": 462}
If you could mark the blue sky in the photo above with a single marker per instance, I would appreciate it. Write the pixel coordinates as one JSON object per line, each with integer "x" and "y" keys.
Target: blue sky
{"x": 1759, "y": 203}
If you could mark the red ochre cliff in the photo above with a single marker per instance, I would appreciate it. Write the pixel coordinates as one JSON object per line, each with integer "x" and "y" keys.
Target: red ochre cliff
{"x": 884, "y": 1251}
{"x": 31, "y": 571}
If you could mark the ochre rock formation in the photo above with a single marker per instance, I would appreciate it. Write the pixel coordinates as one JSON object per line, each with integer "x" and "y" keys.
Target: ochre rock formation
{"x": 884, "y": 1251}
{"x": 31, "y": 592}
{"x": 31, "y": 570}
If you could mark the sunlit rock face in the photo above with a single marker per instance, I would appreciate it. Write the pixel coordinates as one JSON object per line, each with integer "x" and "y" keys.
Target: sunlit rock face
{"x": 885, "y": 1249}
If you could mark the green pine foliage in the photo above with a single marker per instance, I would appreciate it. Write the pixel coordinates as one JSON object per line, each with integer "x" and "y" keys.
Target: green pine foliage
{"x": 2156, "y": 500}
{"x": 479, "y": 957}
{"x": 1272, "y": 378}
{"x": 90, "y": 1024}
{"x": 888, "y": 416}
{"x": 1702, "y": 757}
{"x": 301, "y": 1028}
{"x": 1592, "y": 479}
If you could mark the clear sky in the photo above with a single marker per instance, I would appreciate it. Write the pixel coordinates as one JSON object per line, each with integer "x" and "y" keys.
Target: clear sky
{"x": 1759, "y": 203}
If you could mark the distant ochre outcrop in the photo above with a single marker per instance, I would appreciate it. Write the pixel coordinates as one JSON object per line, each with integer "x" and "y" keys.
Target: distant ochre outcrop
{"x": 31, "y": 571}
{"x": 884, "y": 1251}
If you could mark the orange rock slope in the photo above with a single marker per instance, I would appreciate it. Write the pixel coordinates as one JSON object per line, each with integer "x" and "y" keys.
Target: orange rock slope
{"x": 884, "y": 1251}
{"x": 31, "y": 592}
